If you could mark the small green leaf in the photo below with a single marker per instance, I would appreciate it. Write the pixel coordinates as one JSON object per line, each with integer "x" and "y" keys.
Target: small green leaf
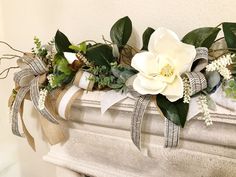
{"x": 121, "y": 31}
{"x": 229, "y": 30}
{"x": 62, "y": 43}
{"x": 175, "y": 111}
{"x": 82, "y": 47}
{"x": 62, "y": 65}
{"x": 146, "y": 37}
{"x": 201, "y": 37}
{"x": 100, "y": 54}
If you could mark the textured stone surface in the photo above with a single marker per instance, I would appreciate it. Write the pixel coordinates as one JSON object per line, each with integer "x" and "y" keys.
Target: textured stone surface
{"x": 101, "y": 146}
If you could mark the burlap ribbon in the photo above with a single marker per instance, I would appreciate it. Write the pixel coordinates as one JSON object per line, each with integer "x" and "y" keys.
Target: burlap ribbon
{"x": 197, "y": 83}
{"x": 83, "y": 81}
{"x": 28, "y": 79}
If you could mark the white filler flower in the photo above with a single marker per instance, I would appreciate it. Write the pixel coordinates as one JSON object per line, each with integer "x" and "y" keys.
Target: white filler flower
{"x": 161, "y": 66}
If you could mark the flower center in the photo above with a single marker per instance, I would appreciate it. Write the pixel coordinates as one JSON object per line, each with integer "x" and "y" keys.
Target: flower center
{"x": 167, "y": 71}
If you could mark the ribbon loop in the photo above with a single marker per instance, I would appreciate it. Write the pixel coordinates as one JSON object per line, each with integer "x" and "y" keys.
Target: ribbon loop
{"x": 24, "y": 77}
{"x": 196, "y": 81}
{"x": 64, "y": 101}
{"x": 202, "y": 58}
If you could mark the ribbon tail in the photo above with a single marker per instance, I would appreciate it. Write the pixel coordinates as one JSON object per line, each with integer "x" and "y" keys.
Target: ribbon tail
{"x": 137, "y": 117}
{"x": 34, "y": 94}
{"x": 29, "y": 137}
{"x": 53, "y": 132}
{"x": 171, "y": 134}
{"x": 114, "y": 97}
{"x": 16, "y": 109}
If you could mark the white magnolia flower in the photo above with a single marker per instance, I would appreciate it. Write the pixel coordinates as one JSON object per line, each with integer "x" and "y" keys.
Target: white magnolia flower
{"x": 161, "y": 66}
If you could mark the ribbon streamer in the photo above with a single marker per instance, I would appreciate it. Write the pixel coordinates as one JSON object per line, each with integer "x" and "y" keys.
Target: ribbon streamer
{"x": 171, "y": 133}
{"x": 137, "y": 118}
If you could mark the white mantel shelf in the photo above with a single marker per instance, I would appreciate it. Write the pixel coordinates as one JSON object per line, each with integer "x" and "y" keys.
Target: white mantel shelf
{"x": 100, "y": 145}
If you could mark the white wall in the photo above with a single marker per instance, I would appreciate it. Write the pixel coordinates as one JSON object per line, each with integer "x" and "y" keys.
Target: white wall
{"x": 21, "y": 20}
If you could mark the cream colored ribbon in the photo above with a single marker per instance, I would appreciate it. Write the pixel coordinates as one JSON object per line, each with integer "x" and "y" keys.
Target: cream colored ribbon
{"x": 66, "y": 98}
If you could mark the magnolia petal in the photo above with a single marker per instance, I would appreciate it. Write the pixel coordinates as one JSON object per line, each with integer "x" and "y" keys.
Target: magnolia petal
{"x": 70, "y": 57}
{"x": 174, "y": 91}
{"x": 145, "y": 62}
{"x": 183, "y": 56}
{"x": 145, "y": 86}
{"x": 166, "y": 43}
{"x": 162, "y": 41}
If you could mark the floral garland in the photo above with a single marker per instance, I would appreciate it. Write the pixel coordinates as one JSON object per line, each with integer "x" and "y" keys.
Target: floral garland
{"x": 171, "y": 70}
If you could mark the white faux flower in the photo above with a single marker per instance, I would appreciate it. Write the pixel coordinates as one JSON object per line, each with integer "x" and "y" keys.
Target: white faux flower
{"x": 161, "y": 66}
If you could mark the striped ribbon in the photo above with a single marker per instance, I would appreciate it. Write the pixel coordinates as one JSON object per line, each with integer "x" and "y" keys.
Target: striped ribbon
{"x": 197, "y": 82}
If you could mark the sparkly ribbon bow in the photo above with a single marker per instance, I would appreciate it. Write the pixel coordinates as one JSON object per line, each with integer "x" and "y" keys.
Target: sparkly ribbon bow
{"x": 196, "y": 82}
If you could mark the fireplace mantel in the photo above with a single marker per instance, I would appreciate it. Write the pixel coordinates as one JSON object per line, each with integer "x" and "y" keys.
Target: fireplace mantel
{"x": 100, "y": 145}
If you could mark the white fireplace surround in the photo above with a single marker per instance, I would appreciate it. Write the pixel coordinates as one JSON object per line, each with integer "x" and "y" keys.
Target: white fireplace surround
{"x": 100, "y": 145}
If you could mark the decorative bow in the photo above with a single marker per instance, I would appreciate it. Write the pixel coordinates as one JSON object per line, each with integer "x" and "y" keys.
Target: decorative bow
{"x": 28, "y": 80}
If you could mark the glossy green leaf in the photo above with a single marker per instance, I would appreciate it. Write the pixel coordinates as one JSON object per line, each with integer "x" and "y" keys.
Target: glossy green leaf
{"x": 146, "y": 37}
{"x": 62, "y": 65}
{"x": 175, "y": 111}
{"x": 201, "y": 37}
{"x": 62, "y": 43}
{"x": 100, "y": 55}
{"x": 121, "y": 31}
{"x": 229, "y": 30}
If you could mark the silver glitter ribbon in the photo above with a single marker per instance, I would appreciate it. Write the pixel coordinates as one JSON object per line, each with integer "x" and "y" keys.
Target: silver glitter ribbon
{"x": 197, "y": 82}
{"x": 137, "y": 118}
{"x": 28, "y": 80}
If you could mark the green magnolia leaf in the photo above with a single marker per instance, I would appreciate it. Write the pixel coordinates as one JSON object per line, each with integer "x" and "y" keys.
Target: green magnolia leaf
{"x": 121, "y": 31}
{"x": 146, "y": 37}
{"x": 62, "y": 43}
{"x": 100, "y": 55}
{"x": 229, "y": 30}
{"x": 175, "y": 111}
{"x": 201, "y": 37}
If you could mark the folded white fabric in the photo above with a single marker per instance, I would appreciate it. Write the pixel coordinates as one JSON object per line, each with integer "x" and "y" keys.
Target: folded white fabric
{"x": 220, "y": 99}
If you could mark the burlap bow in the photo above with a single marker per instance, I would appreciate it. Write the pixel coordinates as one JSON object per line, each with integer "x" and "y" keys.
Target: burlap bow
{"x": 28, "y": 80}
